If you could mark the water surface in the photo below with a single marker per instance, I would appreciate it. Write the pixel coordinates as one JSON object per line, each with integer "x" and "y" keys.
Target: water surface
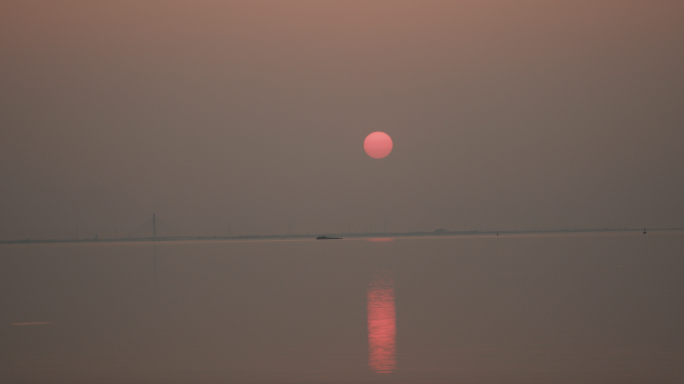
{"x": 594, "y": 308}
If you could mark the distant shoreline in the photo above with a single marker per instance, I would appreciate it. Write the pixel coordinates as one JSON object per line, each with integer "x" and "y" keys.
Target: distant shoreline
{"x": 437, "y": 233}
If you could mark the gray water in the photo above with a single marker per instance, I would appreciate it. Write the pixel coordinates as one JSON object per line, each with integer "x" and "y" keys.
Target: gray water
{"x": 593, "y": 308}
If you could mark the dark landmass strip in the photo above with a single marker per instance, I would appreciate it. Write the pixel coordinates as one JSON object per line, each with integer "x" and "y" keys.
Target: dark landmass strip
{"x": 437, "y": 233}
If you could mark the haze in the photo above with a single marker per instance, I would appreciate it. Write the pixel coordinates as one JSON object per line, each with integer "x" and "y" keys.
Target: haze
{"x": 249, "y": 117}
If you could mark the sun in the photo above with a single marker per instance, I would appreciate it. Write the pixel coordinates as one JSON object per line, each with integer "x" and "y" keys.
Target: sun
{"x": 378, "y": 145}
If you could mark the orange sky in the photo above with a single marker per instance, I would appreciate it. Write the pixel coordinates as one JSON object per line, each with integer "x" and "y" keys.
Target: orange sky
{"x": 253, "y": 115}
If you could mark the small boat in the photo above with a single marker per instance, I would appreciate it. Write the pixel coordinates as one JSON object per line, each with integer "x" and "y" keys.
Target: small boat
{"x": 328, "y": 238}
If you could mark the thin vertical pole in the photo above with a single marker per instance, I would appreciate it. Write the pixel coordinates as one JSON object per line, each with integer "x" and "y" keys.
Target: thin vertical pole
{"x": 154, "y": 226}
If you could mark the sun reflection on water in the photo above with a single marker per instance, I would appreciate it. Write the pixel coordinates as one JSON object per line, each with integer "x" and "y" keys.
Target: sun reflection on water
{"x": 381, "y": 324}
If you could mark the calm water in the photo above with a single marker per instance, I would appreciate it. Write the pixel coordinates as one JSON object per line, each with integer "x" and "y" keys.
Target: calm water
{"x": 530, "y": 309}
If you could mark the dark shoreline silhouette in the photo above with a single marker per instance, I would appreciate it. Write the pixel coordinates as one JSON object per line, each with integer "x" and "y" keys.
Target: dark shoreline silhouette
{"x": 345, "y": 235}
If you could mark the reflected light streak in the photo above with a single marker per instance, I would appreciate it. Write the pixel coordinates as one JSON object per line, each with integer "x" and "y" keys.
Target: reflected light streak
{"x": 33, "y": 323}
{"x": 381, "y": 324}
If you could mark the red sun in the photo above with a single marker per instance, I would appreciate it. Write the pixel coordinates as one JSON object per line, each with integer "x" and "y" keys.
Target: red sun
{"x": 378, "y": 145}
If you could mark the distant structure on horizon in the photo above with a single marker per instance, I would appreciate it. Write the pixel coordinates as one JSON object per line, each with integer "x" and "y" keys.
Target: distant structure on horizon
{"x": 153, "y": 229}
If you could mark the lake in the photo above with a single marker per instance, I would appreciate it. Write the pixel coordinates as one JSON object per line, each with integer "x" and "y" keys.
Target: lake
{"x": 548, "y": 308}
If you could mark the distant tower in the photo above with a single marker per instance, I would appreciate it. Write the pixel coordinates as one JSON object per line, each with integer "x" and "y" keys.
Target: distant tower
{"x": 154, "y": 226}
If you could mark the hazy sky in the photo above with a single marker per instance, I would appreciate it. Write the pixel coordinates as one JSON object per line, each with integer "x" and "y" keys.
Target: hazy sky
{"x": 253, "y": 114}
